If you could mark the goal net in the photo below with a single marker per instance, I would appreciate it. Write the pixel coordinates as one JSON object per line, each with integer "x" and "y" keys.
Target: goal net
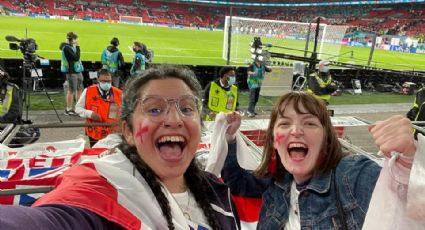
{"x": 292, "y": 37}
{"x": 131, "y": 19}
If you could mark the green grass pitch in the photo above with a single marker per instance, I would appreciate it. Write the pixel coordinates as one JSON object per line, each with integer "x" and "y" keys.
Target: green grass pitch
{"x": 177, "y": 46}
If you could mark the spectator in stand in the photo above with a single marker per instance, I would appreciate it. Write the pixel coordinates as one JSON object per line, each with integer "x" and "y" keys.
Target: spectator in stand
{"x": 100, "y": 103}
{"x": 221, "y": 95}
{"x": 139, "y": 60}
{"x": 256, "y": 73}
{"x": 304, "y": 173}
{"x": 154, "y": 182}
{"x": 113, "y": 61}
{"x": 320, "y": 83}
{"x": 72, "y": 67}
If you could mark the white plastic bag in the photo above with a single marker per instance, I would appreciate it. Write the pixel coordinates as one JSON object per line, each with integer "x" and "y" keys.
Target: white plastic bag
{"x": 398, "y": 202}
{"x": 218, "y": 152}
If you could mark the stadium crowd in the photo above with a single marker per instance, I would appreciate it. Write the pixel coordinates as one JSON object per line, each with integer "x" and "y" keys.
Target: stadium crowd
{"x": 392, "y": 19}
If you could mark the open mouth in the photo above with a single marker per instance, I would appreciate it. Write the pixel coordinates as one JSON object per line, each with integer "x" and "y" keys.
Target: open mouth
{"x": 297, "y": 151}
{"x": 171, "y": 147}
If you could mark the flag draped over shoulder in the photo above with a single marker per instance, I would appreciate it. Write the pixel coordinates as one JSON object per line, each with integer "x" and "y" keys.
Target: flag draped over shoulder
{"x": 111, "y": 187}
{"x": 108, "y": 185}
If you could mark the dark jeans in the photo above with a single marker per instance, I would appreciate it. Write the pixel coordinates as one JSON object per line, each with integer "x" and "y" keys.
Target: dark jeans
{"x": 254, "y": 94}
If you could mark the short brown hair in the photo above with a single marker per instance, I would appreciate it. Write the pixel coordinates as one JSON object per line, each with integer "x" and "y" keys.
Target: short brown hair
{"x": 331, "y": 152}
{"x": 71, "y": 35}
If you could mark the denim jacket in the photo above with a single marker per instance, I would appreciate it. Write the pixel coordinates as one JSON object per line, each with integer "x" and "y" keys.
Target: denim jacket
{"x": 355, "y": 177}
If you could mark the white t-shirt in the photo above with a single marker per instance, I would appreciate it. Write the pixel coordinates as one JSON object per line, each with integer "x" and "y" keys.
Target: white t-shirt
{"x": 294, "y": 210}
{"x": 191, "y": 210}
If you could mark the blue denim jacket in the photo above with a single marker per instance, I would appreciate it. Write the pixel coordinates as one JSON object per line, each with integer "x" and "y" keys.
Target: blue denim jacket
{"x": 355, "y": 177}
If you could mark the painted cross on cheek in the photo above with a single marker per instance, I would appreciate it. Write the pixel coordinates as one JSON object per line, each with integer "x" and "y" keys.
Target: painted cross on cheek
{"x": 279, "y": 138}
{"x": 141, "y": 131}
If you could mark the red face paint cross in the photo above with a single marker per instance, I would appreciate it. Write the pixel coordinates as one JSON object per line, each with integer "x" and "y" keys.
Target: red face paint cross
{"x": 279, "y": 138}
{"x": 141, "y": 131}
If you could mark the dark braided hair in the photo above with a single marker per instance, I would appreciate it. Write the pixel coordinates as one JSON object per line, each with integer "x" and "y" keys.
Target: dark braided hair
{"x": 194, "y": 176}
{"x": 197, "y": 184}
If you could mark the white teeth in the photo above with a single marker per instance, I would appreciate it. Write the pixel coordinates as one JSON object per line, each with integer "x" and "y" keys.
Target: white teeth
{"x": 171, "y": 139}
{"x": 297, "y": 145}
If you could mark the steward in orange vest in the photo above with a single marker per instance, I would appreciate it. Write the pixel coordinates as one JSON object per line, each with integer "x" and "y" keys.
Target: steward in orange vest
{"x": 100, "y": 103}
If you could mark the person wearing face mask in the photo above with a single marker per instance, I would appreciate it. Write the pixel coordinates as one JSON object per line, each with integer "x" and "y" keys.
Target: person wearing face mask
{"x": 100, "y": 103}
{"x": 72, "y": 67}
{"x": 139, "y": 60}
{"x": 320, "y": 84}
{"x": 221, "y": 95}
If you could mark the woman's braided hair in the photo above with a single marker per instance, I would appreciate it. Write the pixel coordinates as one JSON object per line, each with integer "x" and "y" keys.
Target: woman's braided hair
{"x": 194, "y": 176}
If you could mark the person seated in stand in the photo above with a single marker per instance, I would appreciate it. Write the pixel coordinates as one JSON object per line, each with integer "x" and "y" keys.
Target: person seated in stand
{"x": 153, "y": 182}
{"x": 100, "y": 103}
{"x": 320, "y": 83}
{"x": 221, "y": 95}
{"x": 304, "y": 178}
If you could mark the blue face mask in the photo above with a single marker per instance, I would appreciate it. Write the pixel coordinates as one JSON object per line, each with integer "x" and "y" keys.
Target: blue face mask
{"x": 232, "y": 80}
{"x": 105, "y": 86}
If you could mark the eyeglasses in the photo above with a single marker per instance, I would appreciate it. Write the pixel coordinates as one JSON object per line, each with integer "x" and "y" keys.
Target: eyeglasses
{"x": 157, "y": 107}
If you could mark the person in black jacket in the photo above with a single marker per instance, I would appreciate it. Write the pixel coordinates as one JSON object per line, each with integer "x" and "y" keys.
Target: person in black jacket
{"x": 10, "y": 100}
{"x": 320, "y": 84}
{"x": 417, "y": 112}
{"x": 11, "y": 111}
{"x": 72, "y": 67}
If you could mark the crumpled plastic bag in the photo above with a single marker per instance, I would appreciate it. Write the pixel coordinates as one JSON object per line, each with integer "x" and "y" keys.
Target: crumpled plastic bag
{"x": 398, "y": 202}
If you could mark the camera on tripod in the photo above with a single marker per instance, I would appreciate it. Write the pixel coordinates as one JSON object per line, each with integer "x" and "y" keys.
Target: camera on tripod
{"x": 258, "y": 53}
{"x": 27, "y": 46}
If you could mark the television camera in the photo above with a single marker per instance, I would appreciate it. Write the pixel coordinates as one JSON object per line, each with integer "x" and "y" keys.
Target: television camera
{"x": 27, "y": 46}
{"x": 257, "y": 51}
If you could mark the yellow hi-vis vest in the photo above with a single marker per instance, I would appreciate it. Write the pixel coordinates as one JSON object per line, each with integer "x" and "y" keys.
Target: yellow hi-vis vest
{"x": 7, "y": 101}
{"x": 221, "y": 100}
{"x": 323, "y": 84}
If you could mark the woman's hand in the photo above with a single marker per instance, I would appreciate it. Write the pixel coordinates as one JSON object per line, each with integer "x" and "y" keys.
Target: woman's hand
{"x": 234, "y": 121}
{"x": 394, "y": 134}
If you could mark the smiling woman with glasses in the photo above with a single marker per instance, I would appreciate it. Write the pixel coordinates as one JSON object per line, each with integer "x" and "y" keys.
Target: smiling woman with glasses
{"x": 152, "y": 181}
{"x": 162, "y": 130}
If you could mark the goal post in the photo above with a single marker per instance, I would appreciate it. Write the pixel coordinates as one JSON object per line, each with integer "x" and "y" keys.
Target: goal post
{"x": 131, "y": 19}
{"x": 297, "y": 36}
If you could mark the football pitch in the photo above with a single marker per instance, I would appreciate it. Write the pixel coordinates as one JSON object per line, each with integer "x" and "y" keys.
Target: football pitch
{"x": 170, "y": 45}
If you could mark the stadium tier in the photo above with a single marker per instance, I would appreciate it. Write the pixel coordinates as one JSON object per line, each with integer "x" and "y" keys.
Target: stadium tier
{"x": 391, "y": 19}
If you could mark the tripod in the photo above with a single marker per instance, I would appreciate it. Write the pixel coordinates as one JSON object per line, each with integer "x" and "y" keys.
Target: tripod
{"x": 29, "y": 66}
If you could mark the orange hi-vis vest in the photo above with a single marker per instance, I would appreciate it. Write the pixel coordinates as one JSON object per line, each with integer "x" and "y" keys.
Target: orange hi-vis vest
{"x": 108, "y": 110}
